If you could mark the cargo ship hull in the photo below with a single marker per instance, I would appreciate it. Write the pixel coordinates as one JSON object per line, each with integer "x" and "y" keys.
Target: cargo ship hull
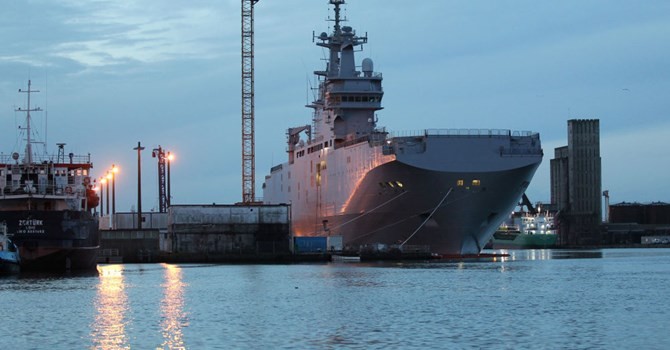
{"x": 54, "y": 240}
{"x": 523, "y": 241}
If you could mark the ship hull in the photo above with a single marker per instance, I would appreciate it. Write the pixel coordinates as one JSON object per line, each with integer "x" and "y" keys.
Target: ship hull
{"x": 523, "y": 241}
{"x": 9, "y": 263}
{"x": 54, "y": 240}
{"x": 429, "y": 210}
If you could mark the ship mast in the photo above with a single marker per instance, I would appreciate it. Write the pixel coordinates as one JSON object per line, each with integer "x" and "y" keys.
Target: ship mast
{"x": 29, "y": 148}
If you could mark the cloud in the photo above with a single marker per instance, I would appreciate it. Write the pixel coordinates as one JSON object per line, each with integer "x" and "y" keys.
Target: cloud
{"x": 109, "y": 33}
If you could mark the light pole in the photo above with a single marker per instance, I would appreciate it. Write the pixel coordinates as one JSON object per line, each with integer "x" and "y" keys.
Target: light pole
{"x": 115, "y": 170}
{"x": 139, "y": 149}
{"x": 109, "y": 178}
{"x": 102, "y": 196}
{"x": 170, "y": 156}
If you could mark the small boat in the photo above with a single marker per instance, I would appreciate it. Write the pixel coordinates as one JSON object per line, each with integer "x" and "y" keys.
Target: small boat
{"x": 534, "y": 229}
{"x": 345, "y": 258}
{"x": 9, "y": 254}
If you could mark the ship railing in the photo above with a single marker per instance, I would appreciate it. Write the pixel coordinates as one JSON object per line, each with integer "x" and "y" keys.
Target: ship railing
{"x": 45, "y": 158}
{"x": 372, "y": 75}
{"x": 347, "y": 143}
{"x": 383, "y": 248}
{"x": 520, "y": 151}
{"x": 69, "y": 190}
{"x": 462, "y": 133}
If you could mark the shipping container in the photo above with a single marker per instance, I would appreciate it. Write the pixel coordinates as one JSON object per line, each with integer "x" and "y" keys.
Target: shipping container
{"x": 305, "y": 245}
{"x": 335, "y": 243}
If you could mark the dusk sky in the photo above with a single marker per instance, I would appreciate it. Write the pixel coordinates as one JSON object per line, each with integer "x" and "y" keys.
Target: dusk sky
{"x": 112, "y": 73}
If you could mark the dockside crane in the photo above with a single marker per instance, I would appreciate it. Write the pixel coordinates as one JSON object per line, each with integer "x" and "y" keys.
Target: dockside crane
{"x": 248, "y": 146}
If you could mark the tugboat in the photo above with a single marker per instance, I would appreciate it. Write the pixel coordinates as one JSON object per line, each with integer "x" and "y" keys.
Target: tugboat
{"x": 46, "y": 202}
{"x": 9, "y": 255}
{"x": 445, "y": 191}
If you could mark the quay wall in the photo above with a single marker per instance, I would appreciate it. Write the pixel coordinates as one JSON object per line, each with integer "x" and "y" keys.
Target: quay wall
{"x": 199, "y": 233}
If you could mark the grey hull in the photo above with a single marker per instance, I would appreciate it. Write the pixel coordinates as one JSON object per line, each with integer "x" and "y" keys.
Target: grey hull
{"x": 429, "y": 209}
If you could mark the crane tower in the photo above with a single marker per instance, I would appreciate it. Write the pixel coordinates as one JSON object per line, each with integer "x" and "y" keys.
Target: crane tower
{"x": 248, "y": 153}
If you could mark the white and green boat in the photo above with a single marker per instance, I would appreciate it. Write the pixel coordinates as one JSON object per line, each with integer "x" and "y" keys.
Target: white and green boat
{"x": 526, "y": 231}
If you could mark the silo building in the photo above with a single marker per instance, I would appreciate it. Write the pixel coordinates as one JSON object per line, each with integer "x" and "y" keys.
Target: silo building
{"x": 576, "y": 184}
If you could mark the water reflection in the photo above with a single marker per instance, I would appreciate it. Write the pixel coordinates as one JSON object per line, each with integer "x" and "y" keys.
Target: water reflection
{"x": 109, "y": 327}
{"x": 172, "y": 308}
{"x": 545, "y": 254}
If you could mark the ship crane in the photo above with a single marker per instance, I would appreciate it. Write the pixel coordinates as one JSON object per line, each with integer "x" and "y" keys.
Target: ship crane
{"x": 248, "y": 147}
{"x": 525, "y": 201}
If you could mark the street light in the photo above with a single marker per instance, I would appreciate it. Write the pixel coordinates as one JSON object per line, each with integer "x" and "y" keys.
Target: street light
{"x": 115, "y": 170}
{"x": 108, "y": 180}
{"x": 102, "y": 196}
{"x": 139, "y": 149}
{"x": 170, "y": 157}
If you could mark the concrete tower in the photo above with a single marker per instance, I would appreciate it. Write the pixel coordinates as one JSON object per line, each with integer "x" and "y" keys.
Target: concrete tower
{"x": 576, "y": 184}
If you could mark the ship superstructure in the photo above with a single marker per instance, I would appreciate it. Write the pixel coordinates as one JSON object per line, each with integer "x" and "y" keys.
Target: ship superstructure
{"x": 46, "y": 203}
{"x": 446, "y": 189}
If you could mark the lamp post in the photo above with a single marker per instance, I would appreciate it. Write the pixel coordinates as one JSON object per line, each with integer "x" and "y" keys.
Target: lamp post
{"x": 109, "y": 178}
{"x": 170, "y": 157}
{"x": 102, "y": 196}
{"x": 115, "y": 170}
{"x": 139, "y": 149}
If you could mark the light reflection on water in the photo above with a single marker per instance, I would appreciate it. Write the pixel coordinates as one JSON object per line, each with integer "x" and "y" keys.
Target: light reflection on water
{"x": 545, "y": 254}
{"x": 172, "y": 308}
{"x": 109, "y": 327}
{"x": 113, "y": 312}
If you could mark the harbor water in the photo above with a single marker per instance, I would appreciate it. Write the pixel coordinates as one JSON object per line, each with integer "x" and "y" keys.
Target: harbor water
{"x": 532, "y": 299}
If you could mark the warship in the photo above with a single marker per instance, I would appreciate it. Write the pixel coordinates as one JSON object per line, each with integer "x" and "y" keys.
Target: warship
{"x": 46, "y": 204}
{"x": 445, "y": 189}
